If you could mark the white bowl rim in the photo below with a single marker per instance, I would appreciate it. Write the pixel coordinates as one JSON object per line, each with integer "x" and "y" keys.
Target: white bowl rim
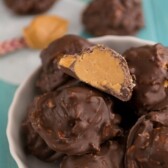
{"x": 123, "y": 38}
{"x": 12, "y": 146}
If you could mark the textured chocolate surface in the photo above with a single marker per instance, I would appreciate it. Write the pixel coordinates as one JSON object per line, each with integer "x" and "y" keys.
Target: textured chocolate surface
{"x": 51, "y": 80}
{"x": 35, "y": 145}
{"x": 110, "y": 156}
{"x": 29, "y": 6}
{"x": 113, "y": 17}
{"x": 149, "y": 67}
{"x": 75, "y": 119}
{"x": 147, "y": 145}
{"x": 52, "y": 77}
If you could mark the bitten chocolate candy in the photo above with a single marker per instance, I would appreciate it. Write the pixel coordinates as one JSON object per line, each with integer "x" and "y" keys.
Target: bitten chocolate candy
{"x": 113, "y": 17}
{"x": 51, "y": 77}
{"x": 147, "y": 145}
{"x": 35, "y": 145}
{"x": 102, "y": 68}
{"x": 75, "y": 119}
{"x": 110, "y": 156}
{"x": 29, "y": 6}
{"x": 149, "y": 67}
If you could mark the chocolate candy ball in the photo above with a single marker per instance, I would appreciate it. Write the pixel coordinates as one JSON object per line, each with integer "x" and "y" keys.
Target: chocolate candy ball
{"x": 113, "y": 17}
{"x": 148, "y": 66}
{"x": 29, "y": 6}
{"x": 76, "y": 119}
{"x": 147, "y": 145}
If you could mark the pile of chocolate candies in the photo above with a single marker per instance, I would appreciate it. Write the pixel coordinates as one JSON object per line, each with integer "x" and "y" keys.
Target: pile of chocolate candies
{"x": 80, "y": 126}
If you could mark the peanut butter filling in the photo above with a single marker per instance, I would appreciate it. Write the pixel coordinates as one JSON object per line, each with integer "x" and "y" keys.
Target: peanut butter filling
{"x": 100, "y": 67}
{"x": 67, "y": 61}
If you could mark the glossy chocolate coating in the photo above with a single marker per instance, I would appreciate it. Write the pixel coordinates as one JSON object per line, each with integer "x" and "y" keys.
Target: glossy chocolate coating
{"x": 110, "y": 156}
{"x": 113, "y": 17}
{"x": 51, "y": 77}
{"x": 149, "y": 67}
{"x": 29, "y": 6}
{"x": 35, "y": 145}
{"x": 147, "y": 145}
{"x": 76, "y": 119}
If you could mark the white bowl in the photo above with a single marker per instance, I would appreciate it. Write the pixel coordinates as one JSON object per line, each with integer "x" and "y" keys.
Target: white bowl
{"x": 24, "y": 95}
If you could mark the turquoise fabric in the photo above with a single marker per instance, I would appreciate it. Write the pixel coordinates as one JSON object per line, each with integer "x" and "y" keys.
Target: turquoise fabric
{"x": 6, "y": 95}
{"x": 156, "y": 29}
{"x": 156, "y": 22}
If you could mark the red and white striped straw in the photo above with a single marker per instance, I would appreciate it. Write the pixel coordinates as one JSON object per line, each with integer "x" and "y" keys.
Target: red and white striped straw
{"x": 12, "y": 45}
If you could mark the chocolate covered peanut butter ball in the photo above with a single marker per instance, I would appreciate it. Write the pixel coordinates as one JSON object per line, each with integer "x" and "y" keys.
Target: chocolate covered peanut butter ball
{"x": 35, "y": 145}
{"x": 51, "y": 77}
{"x": 110, "y": 156}
{"x": 149, "y": 67}
{"x": 76, "y": 119}
{"x": 113, "y": 17}
{"x": 29, "y": 6}
{"x": 147, "y": 144}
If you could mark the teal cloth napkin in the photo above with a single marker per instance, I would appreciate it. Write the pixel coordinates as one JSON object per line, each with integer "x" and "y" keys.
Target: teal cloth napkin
{"x": 6, "y": 95}
{"x": 156, "y": 29}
